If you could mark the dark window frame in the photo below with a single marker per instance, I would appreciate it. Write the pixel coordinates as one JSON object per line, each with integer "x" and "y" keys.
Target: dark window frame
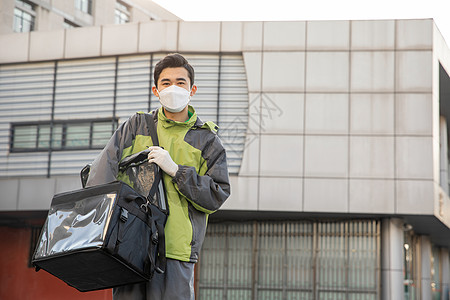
{"x": 67, "y": 24}
{"x": 64, "y": 124}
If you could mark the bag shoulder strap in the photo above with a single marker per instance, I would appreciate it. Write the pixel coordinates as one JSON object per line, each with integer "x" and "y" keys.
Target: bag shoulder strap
{"x": 158, "y": 237}
{"x": 151, "y": 119}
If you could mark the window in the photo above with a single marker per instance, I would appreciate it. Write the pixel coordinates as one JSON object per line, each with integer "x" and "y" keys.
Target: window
{"x": 67, "y": 135}
{"x": 24, "y": 17}
{"x": 122, "y": 14}
{"x": 290, "y": 260}
{"x": 84, "y": 6}
{"x": 436, "y": 273}
{"x": 410, "y": 266}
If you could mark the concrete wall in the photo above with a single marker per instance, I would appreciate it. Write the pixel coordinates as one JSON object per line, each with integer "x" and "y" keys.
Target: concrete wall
{"x": 6, "y": 16}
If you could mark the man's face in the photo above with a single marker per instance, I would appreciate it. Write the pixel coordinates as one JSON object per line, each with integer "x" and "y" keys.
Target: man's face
{"x": 174, "y": 76}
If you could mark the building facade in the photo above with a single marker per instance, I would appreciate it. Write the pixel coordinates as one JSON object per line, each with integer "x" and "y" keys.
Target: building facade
{"x": 45, "y": 15}
{"x": 336, "y": 136}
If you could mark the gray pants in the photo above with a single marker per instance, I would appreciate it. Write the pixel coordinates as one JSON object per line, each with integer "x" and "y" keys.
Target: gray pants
{"x": 177, "y": 283}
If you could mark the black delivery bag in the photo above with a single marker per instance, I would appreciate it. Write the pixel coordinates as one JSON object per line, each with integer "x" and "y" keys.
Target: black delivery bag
{"x": 107, "y": 235}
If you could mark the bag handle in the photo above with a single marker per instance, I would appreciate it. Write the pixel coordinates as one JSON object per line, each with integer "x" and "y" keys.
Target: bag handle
{"x": 150, "y": 119}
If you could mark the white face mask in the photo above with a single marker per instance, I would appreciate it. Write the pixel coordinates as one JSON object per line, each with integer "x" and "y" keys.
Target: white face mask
{"x": 174, "y": 98}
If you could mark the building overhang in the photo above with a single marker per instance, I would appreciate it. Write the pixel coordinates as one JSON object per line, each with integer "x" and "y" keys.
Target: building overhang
{"x": 428, "y": 225}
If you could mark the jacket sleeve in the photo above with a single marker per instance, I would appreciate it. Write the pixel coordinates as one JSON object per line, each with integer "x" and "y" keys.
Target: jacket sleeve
{"x": 105, "y": 166}
{"x": 208, "y": 192}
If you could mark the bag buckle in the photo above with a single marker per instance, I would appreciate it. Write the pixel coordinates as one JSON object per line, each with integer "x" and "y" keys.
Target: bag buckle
{"x": 155, "y": 237}
{"x": 144, "y": 206}
{"x": 124, "y": 215}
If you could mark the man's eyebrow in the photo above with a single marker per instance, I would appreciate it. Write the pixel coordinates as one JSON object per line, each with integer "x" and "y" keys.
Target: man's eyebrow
{"x": 177, "y": 79}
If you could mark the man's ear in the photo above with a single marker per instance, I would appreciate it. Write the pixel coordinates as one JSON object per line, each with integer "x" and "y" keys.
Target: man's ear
{"x": 193, "y": 90}
{"x": 155, "y": 91}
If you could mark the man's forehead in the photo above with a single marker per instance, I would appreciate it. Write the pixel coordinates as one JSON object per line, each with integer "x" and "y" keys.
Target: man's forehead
{"x": 174, "y": 73}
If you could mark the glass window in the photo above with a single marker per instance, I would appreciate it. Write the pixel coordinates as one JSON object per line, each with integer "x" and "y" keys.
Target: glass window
{"x": 77, "y": 135}
{"x": 436, "y": 280}
{"x": 409, "y": 266}
{"x": 24, "y": 137}
{"x": 84, "y": 6}
{"x": 43, "y": 137}
{"x": 68, "y": 135}
{"x": 57, "y": 136}
{"x": 24, "y": 17}
{"x": 101, "y": 132}
{"x": 122, "y": 14}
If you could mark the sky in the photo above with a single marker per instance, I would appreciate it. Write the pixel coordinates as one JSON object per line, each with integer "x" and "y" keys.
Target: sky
{"x": 297, "y": 10}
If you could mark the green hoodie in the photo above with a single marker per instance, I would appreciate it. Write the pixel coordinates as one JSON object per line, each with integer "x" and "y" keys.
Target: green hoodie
{"x": 200, "y": 186}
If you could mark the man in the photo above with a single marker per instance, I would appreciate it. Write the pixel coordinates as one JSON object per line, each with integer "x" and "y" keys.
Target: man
{"x": 195, "y": 176}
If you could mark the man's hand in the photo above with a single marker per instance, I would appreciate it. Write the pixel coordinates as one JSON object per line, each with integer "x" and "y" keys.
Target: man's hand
{"x": 162, "y": 158}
